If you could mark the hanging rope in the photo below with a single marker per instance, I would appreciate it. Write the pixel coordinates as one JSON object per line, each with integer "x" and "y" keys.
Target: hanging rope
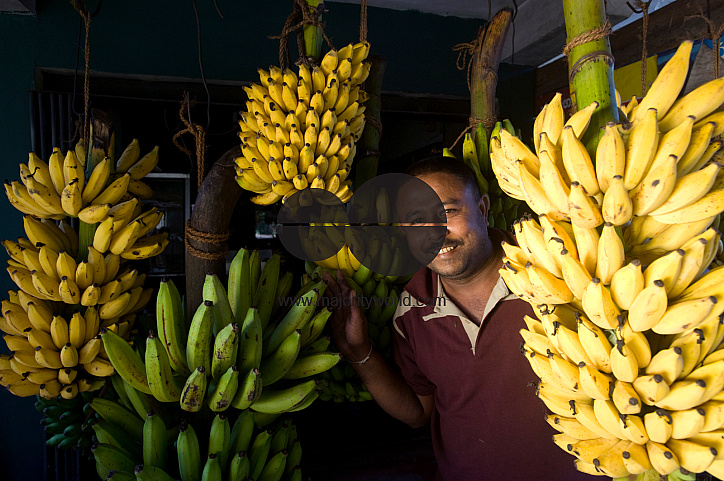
{"x": 207, "y": 237}
{"x": 643, "y": 8}
{"x": 302, "y": 15}
{"x": 199, "y": 139}
{"x": 80, "y": 7}
{"x": 363, "y": 21}
{"x": 713, "y": 33}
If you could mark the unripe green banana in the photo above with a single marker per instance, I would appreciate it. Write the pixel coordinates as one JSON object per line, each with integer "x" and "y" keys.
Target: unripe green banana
{"x": 314, "y": 328}
{"x": 266, "y": 290}
{"x": 213, "y": 290}
{"x": 111, "y": 458}
{"x": 171, "y": 325}
{"x": 219, "y": 439}
{"x": 192, "y": 396}
{"x": 199, "y": 344}
{"x": 151, "y": 473}
{"x": 239, "y": 287}
{"x": 189, "y": 454}
{"x": 274, "y": 401}
{"x": 225, "y": 390}
{"x": 249, "y": 390}
{"x": 281, "y": 360}
{"x": 313, "y": 364}
{"x": 242, "y": 431}
{"x": 125, "y": 360}
{"x": 259, "y": 452}
{"x": 274, "y": 467}
{"x": 226, "y": 346}
{"x": 280, "y": 436}
{"x": 239, "y": 467}
{"x": 161, "y": 380}
{"x": 119, "y": 415}
{"x": 250, "y": 342}
{"x": 296, "y": 318}
{"x": 154, "y": 441}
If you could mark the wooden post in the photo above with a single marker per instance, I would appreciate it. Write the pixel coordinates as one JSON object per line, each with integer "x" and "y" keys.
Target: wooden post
{"x": 590, "y": 65}
{"x": 212, "y": 212}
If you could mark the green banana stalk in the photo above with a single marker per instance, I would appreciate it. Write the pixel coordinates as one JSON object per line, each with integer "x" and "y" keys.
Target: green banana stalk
{"x": 163, "y": 384}
{"x": 171, "y": 325}
{"x": 192, "y": 396}
{"x": 226, "y": 346}
{"x": 154, "y": 441}
{"x": 189, "y": 453}
{"x": 239, "y": 289}
{"x": 198, "y": 347}
{"x": 281, "y": 360}
{"x": 225, "y": 390}
{"x": 125, "y": 360}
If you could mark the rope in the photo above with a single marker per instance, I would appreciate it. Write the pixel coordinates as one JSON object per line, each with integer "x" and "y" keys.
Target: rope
{"x": 473, "y": 122}
{"x": 199, "y": 137}
{"x": 301, "y": 15}
{"x": 471, "y": 48}
{"x": 207, "y": 237}
{"x": 714, "y": 34}
{"x": 594, "y": 34}
{"x": 79, "y": 6}
{"x": 643, "y": 8}
{"x": 363, "y": 21}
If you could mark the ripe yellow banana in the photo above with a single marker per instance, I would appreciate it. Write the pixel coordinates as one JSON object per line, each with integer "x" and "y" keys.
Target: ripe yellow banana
{"x": 700, "y": 102}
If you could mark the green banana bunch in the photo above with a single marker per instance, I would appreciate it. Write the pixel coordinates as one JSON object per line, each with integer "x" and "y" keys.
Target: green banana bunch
{"x": 65, "y": 421}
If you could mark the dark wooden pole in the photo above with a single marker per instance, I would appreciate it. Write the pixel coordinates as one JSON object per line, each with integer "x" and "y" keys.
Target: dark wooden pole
{"x": 215, "y": 203}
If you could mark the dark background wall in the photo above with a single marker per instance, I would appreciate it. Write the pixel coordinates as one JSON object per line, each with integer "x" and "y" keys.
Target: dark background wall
{"x": 159, "y": 39}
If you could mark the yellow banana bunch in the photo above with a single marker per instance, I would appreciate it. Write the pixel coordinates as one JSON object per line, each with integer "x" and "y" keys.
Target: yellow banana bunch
{"x": 635, "y": 380}
{"x": 300, "y": 129}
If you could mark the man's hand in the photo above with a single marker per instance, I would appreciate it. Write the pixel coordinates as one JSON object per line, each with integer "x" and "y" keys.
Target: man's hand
{"x": 348, "y": 322}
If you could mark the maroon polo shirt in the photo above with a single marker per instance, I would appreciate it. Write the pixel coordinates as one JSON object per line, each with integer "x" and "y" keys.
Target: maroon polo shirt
{"x": 487, "y": 423}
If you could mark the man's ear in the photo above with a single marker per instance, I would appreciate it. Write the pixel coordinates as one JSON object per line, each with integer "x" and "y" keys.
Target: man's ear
{"x": 485, "y": 206}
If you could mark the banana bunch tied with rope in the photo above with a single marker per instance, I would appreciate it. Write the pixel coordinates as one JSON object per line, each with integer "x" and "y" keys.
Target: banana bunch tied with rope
{"x": 300, "y": 129}
{"x": 67, "y": 421}
{"x": 476, "y": 153}
{"x": 627, "y": 338}
{"x": 241, "y": 349}
{"x": 140, "y": 446}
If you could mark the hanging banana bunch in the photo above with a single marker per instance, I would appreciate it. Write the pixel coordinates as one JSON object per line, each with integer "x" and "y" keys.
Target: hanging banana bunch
{"x": 627, "y": 342}
{"x": 300, "y": 129}
{"x": 53, "y": 320}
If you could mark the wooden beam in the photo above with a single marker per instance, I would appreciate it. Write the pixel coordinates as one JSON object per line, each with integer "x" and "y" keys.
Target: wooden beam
{"x": 667, "y": 27}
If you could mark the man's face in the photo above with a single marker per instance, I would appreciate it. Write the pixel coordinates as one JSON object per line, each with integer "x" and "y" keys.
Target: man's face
{"x": 466, "y": 234}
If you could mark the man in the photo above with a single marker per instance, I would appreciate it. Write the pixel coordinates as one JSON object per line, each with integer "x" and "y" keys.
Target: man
{"x": 459, "y": 359}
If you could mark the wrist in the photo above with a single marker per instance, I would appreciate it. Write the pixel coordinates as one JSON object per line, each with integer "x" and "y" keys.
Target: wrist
{"x": 363, "y": 358}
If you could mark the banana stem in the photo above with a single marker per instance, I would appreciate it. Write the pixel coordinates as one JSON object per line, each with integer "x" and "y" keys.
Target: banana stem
{"x": 590, "y": 66}
{"x": 484, "y": 69}
{"x": 313, "y": 34}
{"x": 85, "y": 239}
{"x": 369, "y": 143}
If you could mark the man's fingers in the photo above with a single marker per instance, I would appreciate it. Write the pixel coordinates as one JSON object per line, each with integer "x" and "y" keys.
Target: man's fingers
{"x": 331, "y": 284}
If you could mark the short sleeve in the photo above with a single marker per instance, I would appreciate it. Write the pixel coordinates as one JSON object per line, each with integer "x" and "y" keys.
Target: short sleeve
{"x": 406, "y": 359}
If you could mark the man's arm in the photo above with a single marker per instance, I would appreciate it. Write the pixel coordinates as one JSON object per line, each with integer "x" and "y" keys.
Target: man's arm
{"x": 388, "y": 388}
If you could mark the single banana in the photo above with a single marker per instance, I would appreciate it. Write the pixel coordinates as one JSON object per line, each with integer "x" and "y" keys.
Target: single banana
{"x": 199, "y": 344}
{"x": 154, "y": 441}
{"x": 125, "y": 360}
{"x": 194, "y": 390}
{"x": 171, "y": 325}
{"x": 161, "y": 381}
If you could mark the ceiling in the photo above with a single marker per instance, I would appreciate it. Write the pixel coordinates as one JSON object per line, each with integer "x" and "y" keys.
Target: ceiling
{"x": 539, "y": 29}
